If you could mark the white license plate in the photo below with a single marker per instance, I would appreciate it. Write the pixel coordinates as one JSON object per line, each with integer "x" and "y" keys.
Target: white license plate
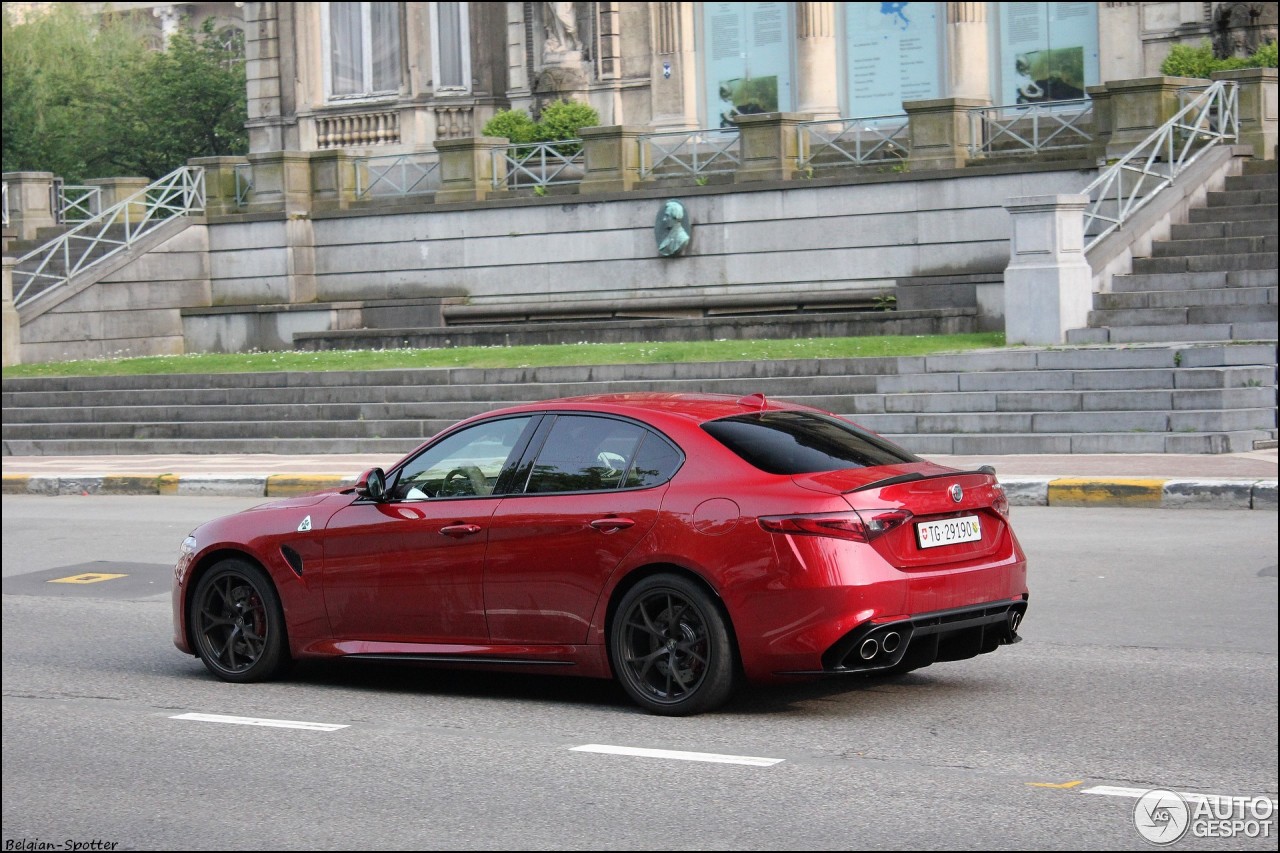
{"x": 933, "y": 534}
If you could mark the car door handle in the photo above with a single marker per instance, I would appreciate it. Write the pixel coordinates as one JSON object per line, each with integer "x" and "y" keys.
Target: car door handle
{"x": 612, "y": 525}
{"x": 457, "y": 531}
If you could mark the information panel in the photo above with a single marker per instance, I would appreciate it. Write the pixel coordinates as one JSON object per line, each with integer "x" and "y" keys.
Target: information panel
{"x": 1048, "y": 51}
{"x": 892, "y": 54}
{"x": 747, "y": 60}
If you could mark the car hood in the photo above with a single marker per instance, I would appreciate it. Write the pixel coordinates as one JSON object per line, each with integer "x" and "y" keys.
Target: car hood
{"x": 299, "y": 501}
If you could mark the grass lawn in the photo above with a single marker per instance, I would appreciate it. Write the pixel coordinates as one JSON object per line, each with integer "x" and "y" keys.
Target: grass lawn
{"x": 522, "y": 356}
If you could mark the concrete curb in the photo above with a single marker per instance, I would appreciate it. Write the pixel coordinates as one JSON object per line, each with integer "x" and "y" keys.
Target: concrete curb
{"x": 1148, "y": 492}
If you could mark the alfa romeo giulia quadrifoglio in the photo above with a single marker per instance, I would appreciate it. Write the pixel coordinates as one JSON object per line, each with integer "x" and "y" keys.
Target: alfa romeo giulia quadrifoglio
{"x": 679, "y": 543}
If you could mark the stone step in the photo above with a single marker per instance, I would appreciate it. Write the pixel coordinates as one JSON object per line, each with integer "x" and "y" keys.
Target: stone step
{"x": 414, "y": 429}
{"x": 202, "y": 446}
{"x": 1186, "y": 298}
{"x": 1063, "y": 443}
{"x": 1195, "y": 280}
{"x": 1189, "y": 315}
{"x": 1239, "y": 228}
{"x": 1259, "y": 167}
{"x": 962, "y": 423}
{"x": 1240, "y": 198}
{"x": 1263, "y": 181}
{"x": 1188, "y": 333}
{"x": 1214, "y": 245}
{"x": 1233, "y": 213}
{"x": 1206, "y": 263}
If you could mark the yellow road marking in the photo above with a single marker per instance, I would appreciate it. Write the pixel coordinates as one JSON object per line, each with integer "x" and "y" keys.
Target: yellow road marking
{"x": 87, "y": 577}
{"x": 1056, "y": 784}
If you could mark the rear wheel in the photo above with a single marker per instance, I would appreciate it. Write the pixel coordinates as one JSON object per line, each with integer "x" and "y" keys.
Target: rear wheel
{"x": 237, "y": 623}
{"x": 670, "y": 647}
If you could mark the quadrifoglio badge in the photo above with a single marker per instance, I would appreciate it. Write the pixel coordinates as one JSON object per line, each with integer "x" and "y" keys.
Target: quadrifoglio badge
{"x": 1164, "y": 817}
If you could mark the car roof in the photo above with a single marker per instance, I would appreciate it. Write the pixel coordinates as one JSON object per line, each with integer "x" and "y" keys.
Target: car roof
{"x": 696, "y": 407}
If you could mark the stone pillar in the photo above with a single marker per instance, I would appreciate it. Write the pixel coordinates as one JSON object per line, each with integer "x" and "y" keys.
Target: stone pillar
{"x": 816, "y": 60}
{"x": 117, "y": 190}
{"x": 1102, "y": 120}
{"x": 281, "y": 181}
{"x": 770, "y": 146}
{"x": 1258, "y": 112}
{"x": 674, "y": 69}
{"x": 1048, "y": 285}
{"x": 333, "y": 180}
{"x": 262, "y": 76}
{"x": 467, "y": 169}
{"x": 31, "y": 202}
{"x": 12, "y": 327}
{"x": 612, "y": 157}
{"x": 1139, "y": 107}
{"x": 969, "y": 75}
{"x": 940, "y": 132}
{"x": 219, "y": 183}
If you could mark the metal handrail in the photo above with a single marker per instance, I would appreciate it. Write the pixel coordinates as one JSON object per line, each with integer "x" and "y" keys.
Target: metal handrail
{"x": 397, "y": 175}
{"x": 852, "y": 141}
{"x": 117, "y": 228}
{"x": 538, "y": 164}
{"x": 691, "y": 152}
{"x": 1029, "y": 128}
{"x": 6, "y": 204}
{"x": 78, "y": 203}
{"x": 1126, "y": 187}
{"x": 244, "y": 183}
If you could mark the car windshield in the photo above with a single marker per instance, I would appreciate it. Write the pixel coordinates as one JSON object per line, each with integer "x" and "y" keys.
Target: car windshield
{"x": 803, "y": 443}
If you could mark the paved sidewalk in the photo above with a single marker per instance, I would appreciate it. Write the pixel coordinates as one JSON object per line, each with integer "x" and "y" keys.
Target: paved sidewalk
{"x": 1225, "y": 481}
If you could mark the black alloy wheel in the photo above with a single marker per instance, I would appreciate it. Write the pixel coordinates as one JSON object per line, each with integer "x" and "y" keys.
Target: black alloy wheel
{"x": 670, "y": 647}
{"x": 237, "y": 623}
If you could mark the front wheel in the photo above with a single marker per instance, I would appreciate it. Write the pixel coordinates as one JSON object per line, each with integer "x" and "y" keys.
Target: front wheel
{"x": 670, "y": 647}
{"x": 237, "y": 623}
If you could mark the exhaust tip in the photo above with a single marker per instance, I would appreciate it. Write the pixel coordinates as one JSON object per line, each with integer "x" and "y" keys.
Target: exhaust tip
{"x": 891, "y": 642}
{"x": 1015, "y": 619}
{"x": 868, "y": 649}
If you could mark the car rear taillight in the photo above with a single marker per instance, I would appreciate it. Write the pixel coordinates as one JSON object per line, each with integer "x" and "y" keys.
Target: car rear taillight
{"x": 1000, "y": 503}
{"x": 856, "y": 526}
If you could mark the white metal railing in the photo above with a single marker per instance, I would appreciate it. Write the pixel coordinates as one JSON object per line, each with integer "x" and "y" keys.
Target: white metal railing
{"x": 852, "y": 141}
{"x": 1030, "y": 128}
{"x": 6, "y": 204}
{"x": 1211, "y": 117}
{"x": 244, "y": 183}
{"x": 78, "y": 203}
{"x": 538, "y": 164}
{"x": 397, "y": 175}
{"x": 115, "y": 229}
{"x": 690, "y": 152}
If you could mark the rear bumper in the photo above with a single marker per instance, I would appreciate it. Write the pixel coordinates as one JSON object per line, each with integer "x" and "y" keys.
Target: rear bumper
{"x": 943, "y": 635}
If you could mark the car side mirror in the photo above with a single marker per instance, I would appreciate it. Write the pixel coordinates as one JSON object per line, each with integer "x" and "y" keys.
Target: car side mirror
{"x": 372, "y": 485}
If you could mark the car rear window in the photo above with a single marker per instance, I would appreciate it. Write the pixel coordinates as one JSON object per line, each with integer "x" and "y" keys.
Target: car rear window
{"x": 803, "y": 443}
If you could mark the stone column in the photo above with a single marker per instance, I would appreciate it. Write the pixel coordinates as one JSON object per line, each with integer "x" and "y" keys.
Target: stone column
{"x": 816, "y": 60}
{"x": 612, "y": 157}
{"x": 1048, "y": 285}
{"x": 116, "y": 190}
{"x": 12, "y": 327}
{"x": 1102, "y": 120}
{"x": 281, "y": 181}
{"x": 673, "y": 73}
{"x": 770, "y": 146}
{"x": 467, "y": 169}
{"x": 333, "y": 180}
{"x": 1139, "y": 107}
{"x": 262, "y": 76}
{"x": 969, "y": 75}
{"x": 1258, "y": 112}
{"x": 31, "y": 202}
{"x": 940, "y": 132}
{"x": 219, "y": 183}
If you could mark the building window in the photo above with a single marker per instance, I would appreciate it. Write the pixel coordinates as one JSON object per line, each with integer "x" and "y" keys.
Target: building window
{"x": 1047, "y": 51}
{"x": 362, "y": 43}
{"x": 451, "y": 47}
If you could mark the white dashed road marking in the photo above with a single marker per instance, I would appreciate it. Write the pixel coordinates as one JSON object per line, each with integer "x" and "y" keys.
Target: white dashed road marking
{"x": 714, "y": 758}
{"x": 1136, "y": 793}
{"x": 260, "y": 721}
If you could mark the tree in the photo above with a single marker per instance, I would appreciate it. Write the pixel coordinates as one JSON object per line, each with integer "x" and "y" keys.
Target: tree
{"x": 85, "y": 97}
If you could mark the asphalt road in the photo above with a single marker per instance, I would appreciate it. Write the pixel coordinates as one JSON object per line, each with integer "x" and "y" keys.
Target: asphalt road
{"x": 1150, "y": 660}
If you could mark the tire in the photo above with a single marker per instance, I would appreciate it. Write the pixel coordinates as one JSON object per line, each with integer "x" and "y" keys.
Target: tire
{"x": 237, "y": 624}
{"x": 671, "y": 649}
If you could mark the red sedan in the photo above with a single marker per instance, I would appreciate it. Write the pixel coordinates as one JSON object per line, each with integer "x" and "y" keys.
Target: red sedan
{"x": 676, "y": 542}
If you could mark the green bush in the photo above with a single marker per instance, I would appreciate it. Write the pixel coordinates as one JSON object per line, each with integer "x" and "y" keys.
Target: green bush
{"x": 1187, "y": 61}
{"x": 514, "y": 125}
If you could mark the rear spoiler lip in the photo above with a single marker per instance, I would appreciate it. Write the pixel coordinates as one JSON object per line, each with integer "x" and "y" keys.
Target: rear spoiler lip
{"x": 913, "y": 476}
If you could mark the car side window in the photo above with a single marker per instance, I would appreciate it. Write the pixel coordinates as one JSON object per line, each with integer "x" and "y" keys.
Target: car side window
{"x": 655, "y": 463}
{"x": 583, "y": 453}
{"x": 465, "y": 464}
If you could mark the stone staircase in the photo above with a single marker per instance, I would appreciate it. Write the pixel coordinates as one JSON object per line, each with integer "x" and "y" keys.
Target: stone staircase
{"x": 1177, "y": 398}
{"x": 1213, "y": 280}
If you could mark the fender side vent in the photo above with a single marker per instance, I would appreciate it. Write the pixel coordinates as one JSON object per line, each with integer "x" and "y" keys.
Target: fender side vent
{"x": 293, "y": 558}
